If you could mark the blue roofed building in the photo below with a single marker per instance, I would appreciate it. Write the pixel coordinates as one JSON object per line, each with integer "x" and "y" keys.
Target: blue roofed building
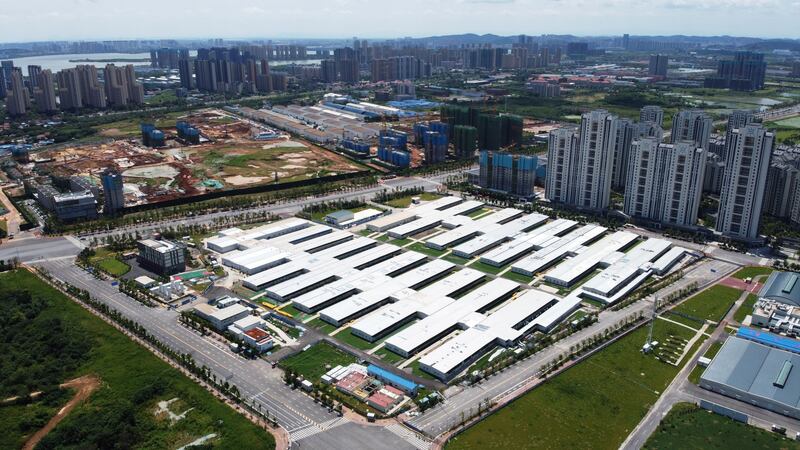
{"x": 391, "y": 379}
{"x": 769, "y": 339}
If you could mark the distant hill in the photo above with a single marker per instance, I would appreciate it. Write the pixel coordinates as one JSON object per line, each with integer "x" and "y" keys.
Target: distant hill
{"x": 775, "y": 44}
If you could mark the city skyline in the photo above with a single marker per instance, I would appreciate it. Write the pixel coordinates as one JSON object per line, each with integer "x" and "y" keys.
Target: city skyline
{"x": 87, "y": 19}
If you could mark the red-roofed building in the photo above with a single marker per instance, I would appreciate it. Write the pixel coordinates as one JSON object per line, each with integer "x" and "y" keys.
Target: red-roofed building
{"x": 258, "y": 339}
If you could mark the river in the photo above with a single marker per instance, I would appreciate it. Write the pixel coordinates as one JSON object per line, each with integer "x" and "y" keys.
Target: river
{"x": 60, "y": 62}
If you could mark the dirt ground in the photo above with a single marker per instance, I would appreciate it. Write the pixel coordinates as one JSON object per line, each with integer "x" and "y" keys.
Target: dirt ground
{"x": 227, "y": 157}
{"x": 85, "y": 386}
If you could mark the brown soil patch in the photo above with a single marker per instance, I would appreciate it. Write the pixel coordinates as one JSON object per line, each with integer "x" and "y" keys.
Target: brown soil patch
{"x": 85, "y": 386}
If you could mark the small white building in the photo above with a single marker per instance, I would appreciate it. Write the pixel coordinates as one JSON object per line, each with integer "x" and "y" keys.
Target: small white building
{"x": 222, "y": 318}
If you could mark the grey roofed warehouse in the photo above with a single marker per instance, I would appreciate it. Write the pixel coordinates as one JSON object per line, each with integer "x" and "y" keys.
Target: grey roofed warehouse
{"x": 754, "y": 373}
{"x": 783, "y": 287}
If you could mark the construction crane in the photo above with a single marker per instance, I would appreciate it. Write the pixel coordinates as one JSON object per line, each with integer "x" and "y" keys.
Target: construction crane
{"x": 649, "y": 344}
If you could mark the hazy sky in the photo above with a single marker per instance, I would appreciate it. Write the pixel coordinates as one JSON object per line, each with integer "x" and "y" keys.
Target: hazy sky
{"x": 38, "y": 20}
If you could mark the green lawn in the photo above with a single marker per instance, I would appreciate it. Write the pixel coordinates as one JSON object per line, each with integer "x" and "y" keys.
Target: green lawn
{"x": 388, "y": 356}
{"x": 752, "y": 272}
{"x": 455, "y": 259}
{"x": 488, "y": 268}
{"x": 114, "y": 266}
{"x": 419, "y": 372}
{"x": 311, "y": 363}
{"x": 518, "y": 277}
{"x": 746, "y": 308}
{"x": 321, "y": 325}
{"x": 405, "y": 202}
{"x": 120, "y": 413}
{"x": 689, "y": 427}
{"x": 422, "y": 248}
{"x": 713, "y": 349}
{"x": 593, "y": 405}
{"x": 400, "y": 242}
{"x": 480, "y": 212}
{"x": 710, "y": 304}
{"x": 294, "y": 312}
{"x": 351, "y": 339}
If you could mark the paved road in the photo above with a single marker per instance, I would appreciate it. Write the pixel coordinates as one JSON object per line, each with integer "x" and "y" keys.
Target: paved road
{"x": 448, "y": 414}
{"x": 31, "y": 249}
{"x": 287, "y": 208}
{"x": 296, "y": 412}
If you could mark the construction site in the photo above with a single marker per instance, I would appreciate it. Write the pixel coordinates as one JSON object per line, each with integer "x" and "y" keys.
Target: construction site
{"x": 227, "y": 153}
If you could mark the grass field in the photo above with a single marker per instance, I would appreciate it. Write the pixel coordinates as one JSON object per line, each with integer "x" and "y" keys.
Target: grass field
{"x": 405, "y": 202}
{"x": 593, "y": 405}
{"x": 421, "y": 248}
{"x": 114, "y": 266}
{"x": 488, "y": 268}
{"x": 351, "y": 339}
{"x": 120, "y": 413}
{"x": 388, "y": 356}
{"x": 751, "y": 272}
{"x": 480, "y": 212}
{"x": 793, "y": 122}
{"x": 455, "y": 259}
{"x": 694, "y": 375}
{"x": 321, "y": 325}
{"x": 689, "y": 427}
{"x": 710, "y": 304}
{"x": 311, "y": 363}
{"x": 745, "y": 308}
{"x": 518, "y": 277}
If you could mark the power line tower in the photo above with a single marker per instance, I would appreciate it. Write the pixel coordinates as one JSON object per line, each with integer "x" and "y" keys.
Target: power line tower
{"x": 648, "y": 345}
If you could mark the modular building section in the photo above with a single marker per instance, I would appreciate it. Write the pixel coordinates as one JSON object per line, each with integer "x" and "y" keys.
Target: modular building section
{"x": 426, "y": 302}
{"x": 255, "y": 260}
{"x": 222, "y": 318}
{"x": 756, "y": 374}
{"x": 349, "y": 248}
{"x": 525, "y": 243}
{"x": 586, "y": 260}
{"x": 554, "y": 252}
{"x": 325, "y": 296}
{"x": 663, "y": 264}
{"x": 363, "y": 303}
{"x": 620, "y": 273}
{"x": 369, "y": 278}
{"x": 411, "y": 214}
{"x": 226, "y": 240}
{"x": 308, "y": 281}
{"x": 503, "y": 327}
{"x": 453, "y": 316}
{"x": 425, "y": 273}
{"x": 498, "y": 235}
{"x": 415, "y": 226}
{"x": 323, "y": 242}
{"x": 462, "y": 230}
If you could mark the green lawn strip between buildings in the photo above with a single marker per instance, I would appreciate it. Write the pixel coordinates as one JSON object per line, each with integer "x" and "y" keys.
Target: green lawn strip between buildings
{"x": 745, "y": 308}
{"x": 697, "y": 372}
{"x": 120, "y": 412}
{"x": 311, "y": 363}
{"x": 752, "y": 272}
{"x": 607, "y": 395}
{"x": 689, "y": 427}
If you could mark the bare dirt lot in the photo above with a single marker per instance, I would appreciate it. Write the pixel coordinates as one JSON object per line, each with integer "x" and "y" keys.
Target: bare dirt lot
{"x": 227, "y": 157}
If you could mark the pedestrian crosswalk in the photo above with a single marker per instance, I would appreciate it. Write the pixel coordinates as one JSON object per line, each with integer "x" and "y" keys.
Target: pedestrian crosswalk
{"x": 409, "y": 436}
{"x": 315, "y": 428}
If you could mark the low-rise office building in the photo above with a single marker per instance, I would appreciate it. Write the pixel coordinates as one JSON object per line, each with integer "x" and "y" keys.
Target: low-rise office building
{"x": 162, "y": 257}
